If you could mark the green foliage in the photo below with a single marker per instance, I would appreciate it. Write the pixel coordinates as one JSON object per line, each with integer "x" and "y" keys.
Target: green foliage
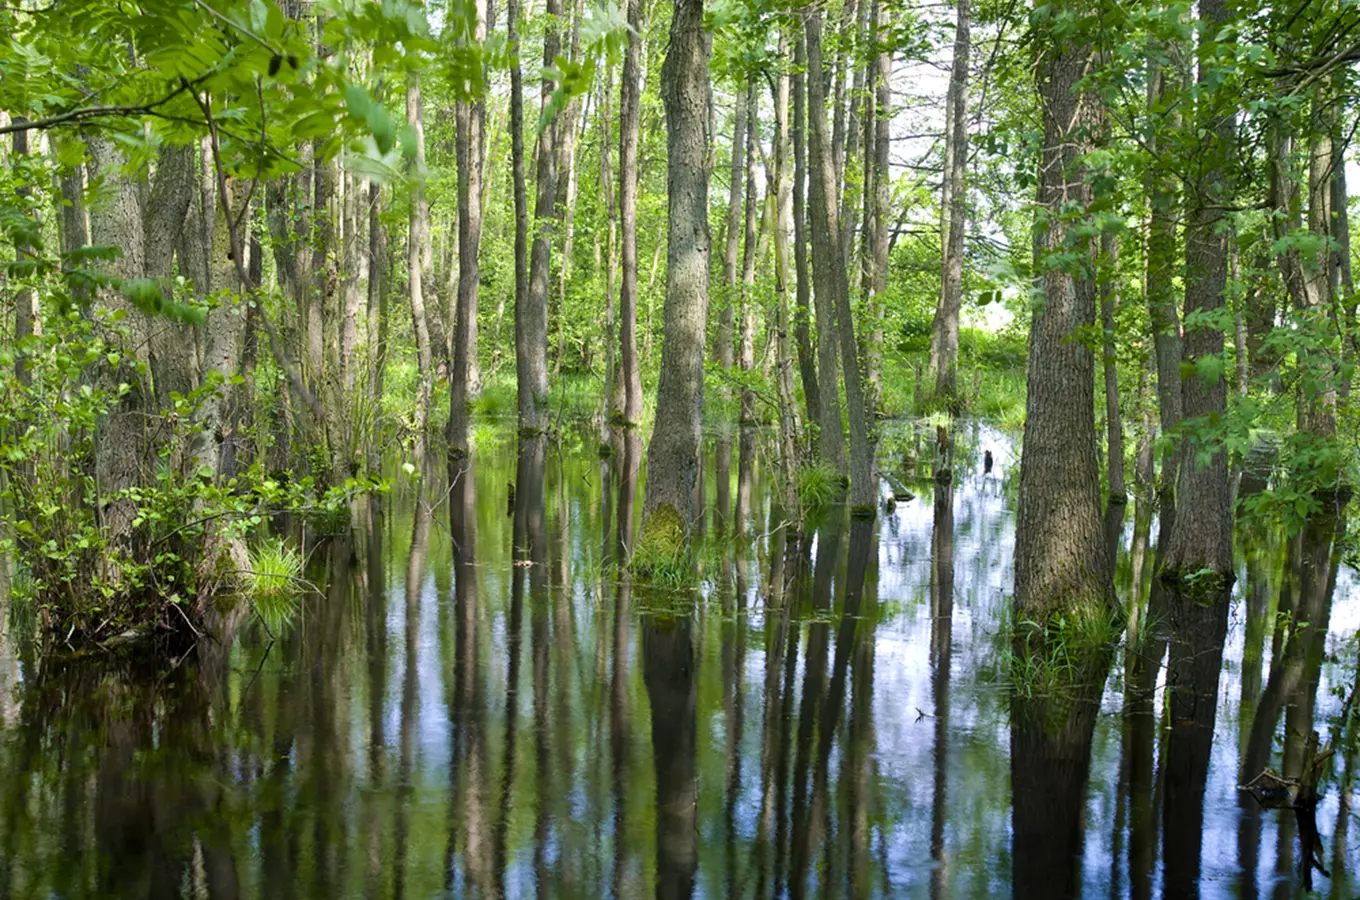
{"x": 274, "y": 583}
{"x": 818, "y": 487}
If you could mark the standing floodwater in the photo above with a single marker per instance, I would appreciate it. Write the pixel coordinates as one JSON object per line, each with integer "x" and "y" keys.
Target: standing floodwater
{"x": 479, "y": 702}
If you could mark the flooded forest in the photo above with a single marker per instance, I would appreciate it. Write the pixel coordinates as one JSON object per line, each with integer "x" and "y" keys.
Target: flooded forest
{"x": 678, "y": 448}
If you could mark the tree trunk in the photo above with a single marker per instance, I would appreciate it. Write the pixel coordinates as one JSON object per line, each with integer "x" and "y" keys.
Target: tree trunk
{"x": 1060, "y": 556}
{"x": 122, "y": 451}
{"x": 1114, "y": 423}
{"x": 378, "y": 273}
{"x": 469, "y": 145}
{"x": 417, "y": 252}
{"x": 733, "y": 231}
{"x": 531, "y": 319}
{"x": 1201, "y": 535}
{"x": 807, "y": 354}
{"x": 1164, "y": 95}
{"x": 877, "y": 208}
{"x": 630, "y": 114}
{"x": 27, "y": 321}
{"x": 779, "y": 184}
{"x": 611, "y": 407}
{"x": 832, "y": 288}
{"x": 173, "y": 366}
{"x": 565, "y": 203}
{"x": 944, "y": 333}
{"x": 673, "y": 456}
{"x": 747, "y": 357}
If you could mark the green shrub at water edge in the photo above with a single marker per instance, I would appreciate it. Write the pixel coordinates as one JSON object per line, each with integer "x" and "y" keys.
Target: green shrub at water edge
{"x": 275, "y": 582}
{"x": 818, "y": 486}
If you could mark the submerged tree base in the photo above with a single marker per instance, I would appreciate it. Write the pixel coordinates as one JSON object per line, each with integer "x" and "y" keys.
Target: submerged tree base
{"x": 662, "y": 554}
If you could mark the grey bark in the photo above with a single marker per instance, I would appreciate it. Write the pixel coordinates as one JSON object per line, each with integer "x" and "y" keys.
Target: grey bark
{"x": 832, "y": 287}
{"x": 417, "y": 253}
{"x": 1060, "y": 557}
{"x": 807, "y": 353}
{"x": 1114, "y": 423}
{"x": 944, "y": 332}
{"x": 1201, "y": 535}
{"x": 673, "y": 455}
{"x": 470, "y": 145}
{"x": 630, "y": 108}
{"x": 531, "y": 320}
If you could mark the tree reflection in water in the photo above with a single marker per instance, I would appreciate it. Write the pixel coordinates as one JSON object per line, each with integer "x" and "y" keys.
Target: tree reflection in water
{"x": 485, "y": 705}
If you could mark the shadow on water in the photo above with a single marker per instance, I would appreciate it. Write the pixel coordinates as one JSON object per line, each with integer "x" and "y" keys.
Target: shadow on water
{"x": 480, "y": 702}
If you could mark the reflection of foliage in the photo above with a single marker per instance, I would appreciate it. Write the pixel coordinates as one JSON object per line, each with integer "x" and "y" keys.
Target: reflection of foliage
{"x": 275, "y": 583}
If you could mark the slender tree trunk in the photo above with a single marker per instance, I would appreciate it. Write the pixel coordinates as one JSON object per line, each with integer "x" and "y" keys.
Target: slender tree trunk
{"x": 417, "y": 246}
{"x": 354, "y": 278}
{"x": 531, "y": 319}
{"x": 1163, "y": 103}
{"x": 1060, "y": 555}
{"x": 878, "y": 208}
{"x": 944, "y": 333}
{"x": 469, "y": 146}
{"x": 630, "y": 114}
{"x": 611, "y": 408}
{"x": 807, "y": 354}
{"x": 747, "y": 357}
{"x": 832, "y": 287}
{"x": 1114, "y": 423}
{"x": 831, "y": 431}
{"x": 1201, "y": 535}
{"x": 733, "y": 231}
{"x": 378, "y": 273}
{"x": 1318, "y": 393}
{"x": 779, "y": 190}
{"x": 673, "y": 456}
{"x": 565, "y": 205}
{"x": 27, "y": 321}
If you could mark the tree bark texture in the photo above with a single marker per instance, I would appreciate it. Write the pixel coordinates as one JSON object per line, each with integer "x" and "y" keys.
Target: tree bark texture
{"x": 1060, "y": 556}
{"x": 630, "y": 114}
{"x": 832, "y": 287}
{"x": 417, "y": 253}
{"x": 1201, "y": 535}
{"x": 944, "y": 332}
{"x": 673, "y": 455}
{"x": 807, "y": 353}
{"x": 531, "y": 319}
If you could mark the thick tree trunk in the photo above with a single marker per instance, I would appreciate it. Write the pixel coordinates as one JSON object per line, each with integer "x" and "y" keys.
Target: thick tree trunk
{"x": 1060, "y": 556}
{"x": 673, "y": 455}
{"x": 832, "y": 288}
{"x": 417, "y": 252}
{"x": 531, "y": 319}
{"x": 173, "y": 363}
{"x": 944, "y": 332}
{"x": 223, "y": 340}
{"x": 123, "y": 448}
{"x": 630, "y": 114}
{"x": 807, "y": 354}
{"x": 469, "y": 146}
{"x": 1201, "y": 535}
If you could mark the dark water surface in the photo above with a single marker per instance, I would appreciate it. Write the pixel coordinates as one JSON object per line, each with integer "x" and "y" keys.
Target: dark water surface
{"x": 478, "y": 705}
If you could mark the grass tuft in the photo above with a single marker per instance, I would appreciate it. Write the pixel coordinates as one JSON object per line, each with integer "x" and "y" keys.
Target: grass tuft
{"x": 275, "y": 583}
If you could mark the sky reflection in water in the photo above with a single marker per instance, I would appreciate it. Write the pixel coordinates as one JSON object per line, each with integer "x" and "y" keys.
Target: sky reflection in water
{"x": 444, "y": 722}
